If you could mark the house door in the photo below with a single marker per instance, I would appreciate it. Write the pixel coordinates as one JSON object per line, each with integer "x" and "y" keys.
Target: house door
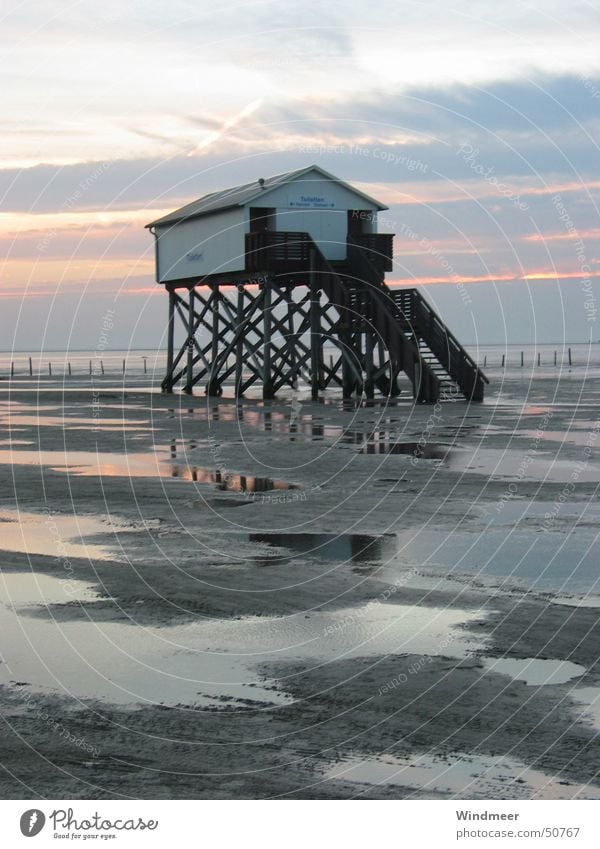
{"x": 359, "y": 221}
{"x": 261, "y": 219}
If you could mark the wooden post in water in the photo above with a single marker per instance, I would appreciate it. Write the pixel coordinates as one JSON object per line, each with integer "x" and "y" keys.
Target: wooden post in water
{"x": 522, "y": 359}
{"x": 539, "y": 359}
{"x": 555, "y": 358}
{"x": 101, "y": 366}
{"x": 69, "y": 369}
{"x": 50, "y": 369}
{"x": 123, "y": 366}
{"x": 12, "y": 369}
{"x": 485, "y": 361}
{"x": 30, "y": 368}
{"x": 570, "y": 361}
{"x": 90, "y": 366}
{"x": 503, "y": 358}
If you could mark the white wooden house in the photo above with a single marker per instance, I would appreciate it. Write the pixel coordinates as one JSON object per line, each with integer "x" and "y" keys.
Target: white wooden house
{"x": 208, "y": 238}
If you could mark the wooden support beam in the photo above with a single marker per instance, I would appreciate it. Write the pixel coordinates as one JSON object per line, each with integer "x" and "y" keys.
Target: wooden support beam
{"x": 239, "y": 344}
{"x": 189, "y": 374}
{"x": 167, "y": 385}
{"x": 315, "y": 329}
{"x": 213, "y": 387}
{"x": 267, "y": 322}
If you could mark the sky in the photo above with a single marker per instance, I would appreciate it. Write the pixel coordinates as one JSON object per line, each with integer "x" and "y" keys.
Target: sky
{"x": 476, "y": 123}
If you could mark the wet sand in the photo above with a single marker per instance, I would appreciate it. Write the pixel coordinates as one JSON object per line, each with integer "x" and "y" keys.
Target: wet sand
{"x": 210, "y": 599}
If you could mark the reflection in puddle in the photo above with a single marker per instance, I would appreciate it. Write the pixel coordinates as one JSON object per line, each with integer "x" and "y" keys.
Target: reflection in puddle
{"x": 430, "y": 451}
{"x": 209, "y": 660}
{"x": 577, "y": 601}
{"x": 230, "y": 483}
{"x": 141, "y": 465}
{"x": 329, "y": 547}
{"x": 534, "y": 672}
{"x": 465, "y": 775}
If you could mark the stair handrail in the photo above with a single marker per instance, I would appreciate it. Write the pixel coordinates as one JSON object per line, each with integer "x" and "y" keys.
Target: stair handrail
{"x": 372, "y": 281}
{"x": 464, "y": 355}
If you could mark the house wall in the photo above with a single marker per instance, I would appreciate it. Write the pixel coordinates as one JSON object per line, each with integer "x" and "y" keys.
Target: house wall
{"x": 214, "y": 243}
{"x": 208, "y": 245}
{"x": 313, "y": 204}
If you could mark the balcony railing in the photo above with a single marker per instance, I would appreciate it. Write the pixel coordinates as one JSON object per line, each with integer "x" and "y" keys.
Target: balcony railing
{"x": 281, "y": 253}
{"x": 288, "y": 251}
{"x": 379, "y": 248}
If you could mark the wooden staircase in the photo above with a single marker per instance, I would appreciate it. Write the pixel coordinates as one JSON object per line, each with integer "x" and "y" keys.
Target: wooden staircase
{"x": 370, "y": 313}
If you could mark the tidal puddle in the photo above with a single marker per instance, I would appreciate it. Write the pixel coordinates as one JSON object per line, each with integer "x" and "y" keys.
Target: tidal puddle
{"x": 430, "y": 451}
{"x": 464, "y": 775}
{"x": 209, "y": 661}
{"x": 58, "y": 535}
{"x": 332, "y": 548}
{"x": 151, "y": 464}
{"x": 227, "y": 482}
{"x": 535, "y": 672}
{"x": 21, "y": 589}
{"x": 520, "y": 509}
{"x": 555, "y": 561}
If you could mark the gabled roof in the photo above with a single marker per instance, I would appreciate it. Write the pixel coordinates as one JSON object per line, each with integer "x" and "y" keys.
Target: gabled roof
{"x": 245, "y": 194}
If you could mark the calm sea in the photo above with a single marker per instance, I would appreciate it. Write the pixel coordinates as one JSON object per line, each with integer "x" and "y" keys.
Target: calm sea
{"x": 136, "y": 362}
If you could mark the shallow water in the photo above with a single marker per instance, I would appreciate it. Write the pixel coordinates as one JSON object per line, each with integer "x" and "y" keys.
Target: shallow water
{"x": 470, "y": 776}
{"x": 151, "y": 464}
{"x": 331, "y": 548}
{"x": 533, "y": 671}
{"x": 208, "y": 660}
{"x": 556, "y": 560}
{"x": 58, "y": 535}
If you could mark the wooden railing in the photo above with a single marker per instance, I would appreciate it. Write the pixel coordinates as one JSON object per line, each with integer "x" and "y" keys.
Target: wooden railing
{"x": 379, "y": 248}
{"x": 419, "y": 319}
{"x": 277, "y": 251}
{"x": 402, "y": 318}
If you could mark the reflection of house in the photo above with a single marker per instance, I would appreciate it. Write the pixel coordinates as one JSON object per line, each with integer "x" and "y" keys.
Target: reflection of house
{"x": 309, "y": 242}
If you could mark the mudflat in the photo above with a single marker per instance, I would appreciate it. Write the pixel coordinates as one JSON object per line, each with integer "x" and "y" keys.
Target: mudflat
{"x": 210, "y": 598}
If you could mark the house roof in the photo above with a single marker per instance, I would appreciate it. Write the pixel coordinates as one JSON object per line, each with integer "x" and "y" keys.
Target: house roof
{"x": 245, "y": 194}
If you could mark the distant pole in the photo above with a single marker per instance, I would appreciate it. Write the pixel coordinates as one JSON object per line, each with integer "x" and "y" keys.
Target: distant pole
{"x": 12, "y": 369}
{"x": 485, "y": 361}
{"x": 50, "y": 369}
{"x": 145, "y": 359}
{"x": 522, "y": 359}
{"x": 123, "y": 366}
{"x": 539, "y": 356}
{"x": 503, "y": 359}
{"x": 90, "y": 366}
{"x": 69, "y": 369}
{"x": 30, "y": 368}
{"x": 570, "y": 361}
{"x": 101, "y": 366}
{"x": 555, "y": 358}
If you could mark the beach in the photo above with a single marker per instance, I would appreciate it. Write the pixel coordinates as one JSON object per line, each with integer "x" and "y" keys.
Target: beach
{"x": 211, "y": 598}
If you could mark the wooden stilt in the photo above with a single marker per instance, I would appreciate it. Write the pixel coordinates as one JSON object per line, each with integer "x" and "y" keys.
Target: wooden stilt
{"x": 167, "y": 384}
{"x": 267, "y": 324}
{"x": 189, "y": 374}
{"x": 315, "y": 330}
